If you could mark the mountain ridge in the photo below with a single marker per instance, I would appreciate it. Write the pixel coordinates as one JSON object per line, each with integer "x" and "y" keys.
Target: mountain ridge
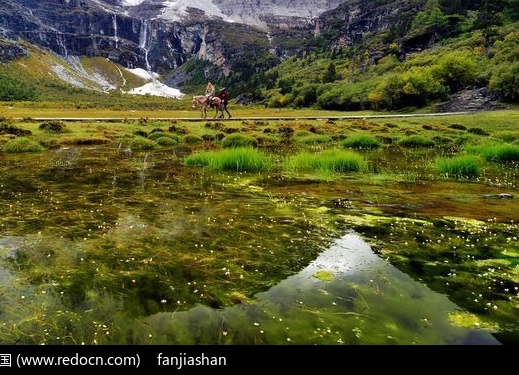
{"x": 248, "y": 47}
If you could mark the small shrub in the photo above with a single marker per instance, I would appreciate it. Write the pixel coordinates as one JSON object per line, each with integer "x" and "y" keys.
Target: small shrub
{"x": 155, "y": 136}
{"x": 22, "y": 144}
{"x": 208, "y": 137}
{"x": 177, "y": 130}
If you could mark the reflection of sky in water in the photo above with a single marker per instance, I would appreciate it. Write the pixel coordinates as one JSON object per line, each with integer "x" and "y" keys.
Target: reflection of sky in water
{"x": 349, "y": 255}
{"x": 366, "y": 302}
{"x": 376, "y": 291}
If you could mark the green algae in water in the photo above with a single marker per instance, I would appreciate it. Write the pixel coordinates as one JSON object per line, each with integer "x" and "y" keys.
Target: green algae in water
{"x": 143, "y": 251}
{"x": 324, "y": 275}
{"x": 468, "y": 320}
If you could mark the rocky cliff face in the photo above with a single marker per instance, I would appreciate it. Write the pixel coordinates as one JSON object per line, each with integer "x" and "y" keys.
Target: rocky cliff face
{"x": 161, "y": 36}
{"x": 151, "y": 34}
{"x": 354, "y": 20}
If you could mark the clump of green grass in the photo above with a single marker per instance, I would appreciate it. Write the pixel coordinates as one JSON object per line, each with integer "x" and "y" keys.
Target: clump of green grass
{"x": 361, "y": 141}
{"x": 331, "y": 160}
{"x": 500, "y": 152}
{"x": 141, "y": 143}
{"x": 192, "y": 139}
{"x": 460, "y": 166}
{"x": 166, "y": 141}
{"x": 237, "y": 140}
{"x": 308, "y": 138}
{"x": 22, "y": 144}
{"x": 234, "y": 159}
{"x": 416, "y": 141}
{"x": 157, "y": 134}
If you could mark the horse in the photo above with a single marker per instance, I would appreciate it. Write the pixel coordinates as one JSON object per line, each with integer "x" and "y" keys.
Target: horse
{"x": 203, "y": 102}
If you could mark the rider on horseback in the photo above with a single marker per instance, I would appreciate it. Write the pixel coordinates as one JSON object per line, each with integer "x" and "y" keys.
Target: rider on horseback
{"x": 209, "y": 92}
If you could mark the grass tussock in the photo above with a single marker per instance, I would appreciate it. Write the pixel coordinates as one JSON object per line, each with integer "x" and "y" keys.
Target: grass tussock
{"x": 233, "y": 159}
{"x": 304, "y": 137}
{"x": 361, "y": 141}
{"x": 466, "y": 166}
{"x": 142, "y": 144}
{"x": 496, "y": 152}
{"x": 416, "y": 141}
{"x": 332, "y": 160}
{"x": 22, "y": 144}
{"x": 238, "y": 140}
{"x": 166, "y": 141}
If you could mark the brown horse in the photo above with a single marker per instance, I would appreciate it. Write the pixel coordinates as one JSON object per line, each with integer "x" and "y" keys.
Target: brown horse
{"x": 203, "y": 102}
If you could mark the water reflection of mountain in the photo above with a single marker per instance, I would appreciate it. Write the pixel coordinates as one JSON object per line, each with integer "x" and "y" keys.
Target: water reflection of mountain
{"x": 348, "y": 295}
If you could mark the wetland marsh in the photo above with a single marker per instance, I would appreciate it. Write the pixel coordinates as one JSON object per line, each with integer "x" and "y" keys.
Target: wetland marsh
{"x": 103, "y": 241}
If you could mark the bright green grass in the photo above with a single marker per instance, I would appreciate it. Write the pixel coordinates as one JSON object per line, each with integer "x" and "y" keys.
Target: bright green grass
{"x": 460, "y": 166}
{"x": 331, "y": 160}
{"x": 237, "y": 140}
{"x": 361, "y": 141}
{"x": 496, "y": 152}
{"x": 234, "y": 159}
{"x": 22, "y": 144}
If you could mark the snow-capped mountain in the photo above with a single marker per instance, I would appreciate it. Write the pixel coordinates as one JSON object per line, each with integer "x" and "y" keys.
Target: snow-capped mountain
{"x": 248, "y": 12}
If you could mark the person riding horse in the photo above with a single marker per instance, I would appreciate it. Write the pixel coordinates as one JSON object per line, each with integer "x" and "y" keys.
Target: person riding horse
{"x": 207, "y": 100}
{"x": 209, "y": 93}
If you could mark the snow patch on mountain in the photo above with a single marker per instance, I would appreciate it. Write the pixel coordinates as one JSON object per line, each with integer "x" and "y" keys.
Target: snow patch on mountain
{"x": 175, "y": 10}
{"x": 132, "y": 3}
{"x": 157, "y": 88}
{"x": 154, "y": 88}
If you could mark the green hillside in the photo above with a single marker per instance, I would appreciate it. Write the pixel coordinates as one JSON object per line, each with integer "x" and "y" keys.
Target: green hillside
{"x": 476, "y": 48}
